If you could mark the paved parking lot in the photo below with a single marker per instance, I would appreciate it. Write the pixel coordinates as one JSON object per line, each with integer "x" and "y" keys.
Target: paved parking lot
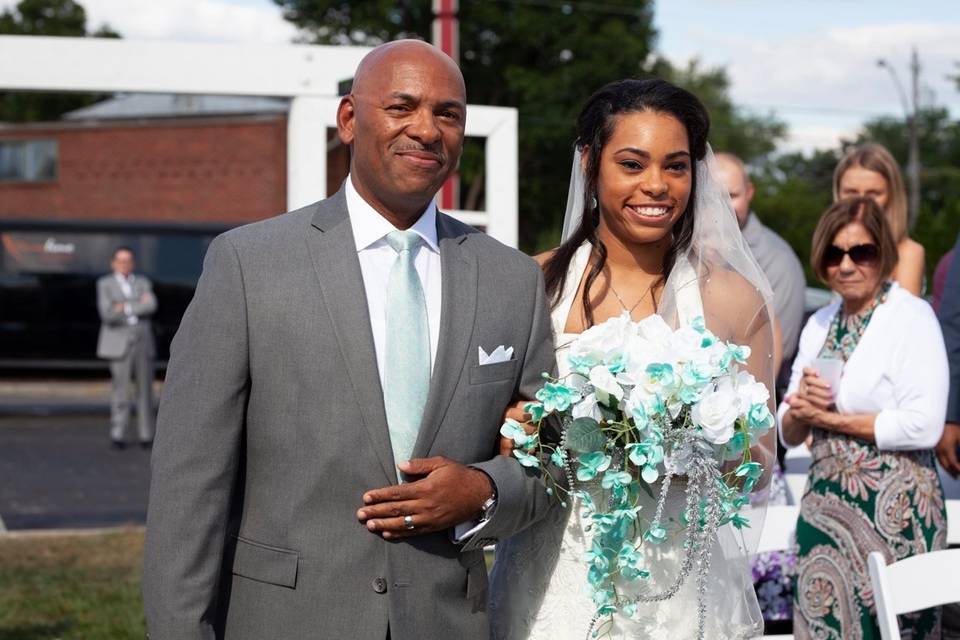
{"x": 60, "y": 472}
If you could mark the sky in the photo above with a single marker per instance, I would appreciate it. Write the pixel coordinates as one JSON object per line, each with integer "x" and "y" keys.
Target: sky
{"x": 811, "y": 62}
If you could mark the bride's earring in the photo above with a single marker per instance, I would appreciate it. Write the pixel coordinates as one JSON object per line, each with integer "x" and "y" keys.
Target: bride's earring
{"x": 593, "y": 202}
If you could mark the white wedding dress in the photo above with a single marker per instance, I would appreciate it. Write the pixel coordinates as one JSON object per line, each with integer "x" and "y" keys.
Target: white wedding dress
{"x": 538, "y": 584}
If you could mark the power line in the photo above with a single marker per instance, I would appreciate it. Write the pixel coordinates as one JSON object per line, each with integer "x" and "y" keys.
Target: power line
{"x": 569, "y": 7}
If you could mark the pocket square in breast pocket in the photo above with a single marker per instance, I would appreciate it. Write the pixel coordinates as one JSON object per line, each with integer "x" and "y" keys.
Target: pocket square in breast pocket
{"x": 500, "y": 354}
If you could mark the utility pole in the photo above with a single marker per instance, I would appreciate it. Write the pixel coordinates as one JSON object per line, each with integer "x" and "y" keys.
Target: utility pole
{"x": 446, "y": 37}
{"x": 913, "y": 163}
{"x": 911, "y": 113}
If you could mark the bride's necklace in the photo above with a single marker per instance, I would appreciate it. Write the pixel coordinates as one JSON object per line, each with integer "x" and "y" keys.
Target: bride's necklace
{"x": 620, "y": 300}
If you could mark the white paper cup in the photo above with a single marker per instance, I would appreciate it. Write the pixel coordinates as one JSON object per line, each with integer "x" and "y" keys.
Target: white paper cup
{"x": 830, "y": 369}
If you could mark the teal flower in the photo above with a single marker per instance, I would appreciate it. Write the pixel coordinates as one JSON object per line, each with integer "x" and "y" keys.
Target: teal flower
{"x": 655, "y": 534}
{"x": 733, "y": 354}
{"x": 751, "y": 472}
{"x": 535, "y": 409}
{"x": 699, "y": 324}
{"x": 526, "y": 459}
{"x": 647, "y": 455}
{"x": 590, "y": 464}
{"x": 759, "y": 417}
{"x": 515, "y": 431}
{"x": 749, "y": 469}
{"x": 630, "y": 609}
{"x": 556, "y": 397}
{"x": 582, "y": 363}
{"x": 661, "y": 373}
{"x": 558, "y": 457}
{"x": 734, "y": 449}
{"x": 629, "y": 561}
{"x": 739, "y": 521}
{"x": 614, "y": 479}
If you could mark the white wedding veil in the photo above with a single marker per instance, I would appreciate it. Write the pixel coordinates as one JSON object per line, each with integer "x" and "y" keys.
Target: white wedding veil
{"x": 718, "y": 271}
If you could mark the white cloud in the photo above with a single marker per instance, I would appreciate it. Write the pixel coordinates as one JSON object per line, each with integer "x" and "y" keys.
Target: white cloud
{"x": 189, "y": 20}
{"x": 832, "y": 76}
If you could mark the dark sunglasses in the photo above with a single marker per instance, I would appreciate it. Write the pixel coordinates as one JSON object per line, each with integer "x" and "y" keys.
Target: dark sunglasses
{"x": 864, "y": 255}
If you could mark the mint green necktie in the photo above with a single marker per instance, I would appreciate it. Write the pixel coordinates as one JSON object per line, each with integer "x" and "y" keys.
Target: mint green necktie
{"x": 407, "y": 366}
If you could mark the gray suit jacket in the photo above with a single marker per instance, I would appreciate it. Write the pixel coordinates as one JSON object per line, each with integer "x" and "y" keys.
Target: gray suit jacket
{"x": 116, "y": 335}
{"x": 272, "y": 426}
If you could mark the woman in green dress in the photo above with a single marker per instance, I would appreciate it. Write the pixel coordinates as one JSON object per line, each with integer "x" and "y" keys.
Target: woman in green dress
{"x": 872, "y": 484}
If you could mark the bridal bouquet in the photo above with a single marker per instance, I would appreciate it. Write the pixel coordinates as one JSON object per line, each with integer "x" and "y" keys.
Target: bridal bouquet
{"x": 643, "y": 404}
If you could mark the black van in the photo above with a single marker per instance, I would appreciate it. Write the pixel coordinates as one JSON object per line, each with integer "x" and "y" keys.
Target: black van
{"x": 48, "y": 274}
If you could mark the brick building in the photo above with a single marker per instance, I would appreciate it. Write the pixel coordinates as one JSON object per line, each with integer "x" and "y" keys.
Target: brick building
{"x": 199, "y": 159}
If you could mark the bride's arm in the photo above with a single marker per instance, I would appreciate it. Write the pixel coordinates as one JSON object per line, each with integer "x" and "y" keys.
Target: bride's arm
{"x": 737, "y": 312}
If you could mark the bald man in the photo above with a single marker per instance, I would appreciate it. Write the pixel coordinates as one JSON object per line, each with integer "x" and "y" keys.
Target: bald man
{"x": 774, "y": 255}
{"x": 324, "y": 465}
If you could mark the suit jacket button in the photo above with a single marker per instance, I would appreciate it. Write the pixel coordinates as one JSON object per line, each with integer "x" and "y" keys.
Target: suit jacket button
{"x": 380, "y": 585}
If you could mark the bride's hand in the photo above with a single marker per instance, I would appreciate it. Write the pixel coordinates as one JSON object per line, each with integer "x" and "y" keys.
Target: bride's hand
{"x": 516, "y": 413}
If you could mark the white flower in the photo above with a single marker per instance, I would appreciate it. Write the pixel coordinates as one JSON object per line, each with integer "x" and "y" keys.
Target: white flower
{"x": 686, "y": 346}
{"x": 605, "y": 341}
{"x": 587, "y": 408}
{"x": 654, "y": 329}
{"x": 605, "y": 384}
{"x": 750, "y": 391}
{"x": 717, "y": 412}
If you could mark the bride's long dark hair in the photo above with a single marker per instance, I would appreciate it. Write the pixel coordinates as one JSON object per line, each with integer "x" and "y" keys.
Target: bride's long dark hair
{"x": 595, "y": 125}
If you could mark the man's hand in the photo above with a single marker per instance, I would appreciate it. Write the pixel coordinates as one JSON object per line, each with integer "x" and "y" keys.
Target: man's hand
{"x": 947, "y": 449}
{"x": 447, "y": 494}
{"x": 118, "y": 307}
{"x": 516, "y": 413}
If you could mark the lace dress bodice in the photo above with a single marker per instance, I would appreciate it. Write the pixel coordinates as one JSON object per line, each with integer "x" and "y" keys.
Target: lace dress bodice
{"x": 538, "y": 584}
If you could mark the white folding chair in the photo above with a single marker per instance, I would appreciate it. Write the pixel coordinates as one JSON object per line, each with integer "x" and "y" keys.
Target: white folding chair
{"x": 914, "y": 583}
{"x": 778, "y": 528}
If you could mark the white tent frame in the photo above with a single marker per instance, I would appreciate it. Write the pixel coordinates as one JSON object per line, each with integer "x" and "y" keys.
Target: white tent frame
{"x": 308, "y": 74}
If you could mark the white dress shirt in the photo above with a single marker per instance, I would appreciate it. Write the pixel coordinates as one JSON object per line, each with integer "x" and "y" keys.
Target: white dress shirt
{"x": 126, "y": 286}
{"x": 370, "y": 230}
{"x": 898, "y": 371}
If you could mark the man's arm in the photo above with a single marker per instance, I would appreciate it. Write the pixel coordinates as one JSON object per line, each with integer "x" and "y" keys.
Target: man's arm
{"x": 950, "y": 326}
{"x": 196, "y": 453}
{"x": 107, "y": 307}
{"x": 521, "y": 493}
{"x": 146, "y": 303}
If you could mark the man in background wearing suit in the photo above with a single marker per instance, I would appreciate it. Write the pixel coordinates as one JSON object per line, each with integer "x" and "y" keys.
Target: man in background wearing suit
{"x": 325, "y": 463}
{"x": 126, "y": 302}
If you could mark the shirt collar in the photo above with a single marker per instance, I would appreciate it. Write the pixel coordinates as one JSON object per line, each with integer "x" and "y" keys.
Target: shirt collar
{"x": 370, "y": 227}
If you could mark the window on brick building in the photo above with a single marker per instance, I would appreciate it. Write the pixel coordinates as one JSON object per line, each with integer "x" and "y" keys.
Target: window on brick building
{"x": 28, "y": 160}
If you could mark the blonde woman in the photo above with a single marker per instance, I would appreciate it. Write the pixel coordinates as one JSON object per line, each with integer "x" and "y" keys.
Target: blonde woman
{"x": 869, "y": 171}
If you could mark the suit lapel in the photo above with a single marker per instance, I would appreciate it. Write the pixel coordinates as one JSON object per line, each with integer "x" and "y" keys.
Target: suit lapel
{"x": 459, "y": 304}
{"x": 333, "y": 252}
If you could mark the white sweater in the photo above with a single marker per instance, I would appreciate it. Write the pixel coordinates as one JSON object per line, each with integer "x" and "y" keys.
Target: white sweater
{"x": 898, "y": 371}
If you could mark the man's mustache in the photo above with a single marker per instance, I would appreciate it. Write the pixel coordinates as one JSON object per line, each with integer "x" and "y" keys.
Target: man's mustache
{"x": 437, "y": 151}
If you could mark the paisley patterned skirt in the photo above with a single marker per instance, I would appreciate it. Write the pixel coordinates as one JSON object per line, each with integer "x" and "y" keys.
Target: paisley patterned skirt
{"x": 861, "y": 499}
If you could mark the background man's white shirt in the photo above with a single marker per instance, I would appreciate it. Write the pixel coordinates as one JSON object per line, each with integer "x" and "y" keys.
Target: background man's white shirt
{"x": 126, "y": 285}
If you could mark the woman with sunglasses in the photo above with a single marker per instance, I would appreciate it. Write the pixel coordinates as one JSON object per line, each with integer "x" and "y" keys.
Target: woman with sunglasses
{"x": 872, "y": 484}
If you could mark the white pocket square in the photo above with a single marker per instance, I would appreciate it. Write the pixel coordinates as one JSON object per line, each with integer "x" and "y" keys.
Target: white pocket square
{"x": 500, "y": 354}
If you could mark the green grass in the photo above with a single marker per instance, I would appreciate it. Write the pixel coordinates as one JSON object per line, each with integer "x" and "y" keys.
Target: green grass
{"x": 80, "y": 587}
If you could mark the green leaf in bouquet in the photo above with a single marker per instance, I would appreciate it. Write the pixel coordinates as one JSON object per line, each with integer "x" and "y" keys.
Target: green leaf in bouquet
{"x": 646, "y": 488}
{"x": 584, "y": 436}
{"x": 608, "y": 414}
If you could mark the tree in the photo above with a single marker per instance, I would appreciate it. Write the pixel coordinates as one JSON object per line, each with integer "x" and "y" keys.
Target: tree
{"x": 46, "y": 18}
{"x": 545, "y": 59}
